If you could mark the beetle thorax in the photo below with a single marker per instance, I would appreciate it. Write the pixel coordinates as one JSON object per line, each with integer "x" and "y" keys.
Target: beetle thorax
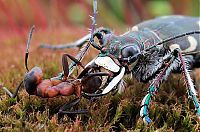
{"x": 113, "y": 44}
{"x": 148, "y": 65}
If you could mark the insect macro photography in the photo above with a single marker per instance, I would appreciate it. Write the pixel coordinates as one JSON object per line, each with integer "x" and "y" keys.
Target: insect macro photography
{"x": 100, "y": 65}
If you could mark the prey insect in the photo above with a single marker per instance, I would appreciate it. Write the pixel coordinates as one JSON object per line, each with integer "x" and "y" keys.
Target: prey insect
{"x": 34, "y": 83}
{"x": 150, "y": 51}
{"x": 88, "y": 81}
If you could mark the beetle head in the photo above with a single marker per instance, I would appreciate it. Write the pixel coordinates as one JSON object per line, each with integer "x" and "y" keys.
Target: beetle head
{"x": 109, "y": 44}
{"x": 130, "y": 53}
{"x": 120, "y": 47}
{"x": 116, "y": 53}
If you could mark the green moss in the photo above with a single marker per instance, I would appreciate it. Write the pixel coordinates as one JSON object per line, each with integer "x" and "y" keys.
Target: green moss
{"x": 117, "y": 113}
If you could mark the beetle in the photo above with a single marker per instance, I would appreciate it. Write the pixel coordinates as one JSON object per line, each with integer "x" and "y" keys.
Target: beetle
{"x": 150, "y": 51}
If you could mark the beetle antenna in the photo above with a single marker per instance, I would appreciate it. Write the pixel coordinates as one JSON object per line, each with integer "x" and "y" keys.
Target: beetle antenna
{"x": 83, "y": 51}
{"x": 173, "y": 38}
{"x": 178, "y": 36}
{"x": 94, "y": 18}
{"x": 27, "y": 47}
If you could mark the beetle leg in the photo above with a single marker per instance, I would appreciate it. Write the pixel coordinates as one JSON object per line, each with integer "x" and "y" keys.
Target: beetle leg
{"x": 152, "y": 90}
{"x": 70, "y": 105}
{"x": 189, "y": 83}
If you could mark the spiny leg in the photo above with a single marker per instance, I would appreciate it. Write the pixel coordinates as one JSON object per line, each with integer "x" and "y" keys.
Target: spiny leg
{"x": 84, "y": 50}
{"x": 188, "y": 81}
{"x": 154, "y": 88}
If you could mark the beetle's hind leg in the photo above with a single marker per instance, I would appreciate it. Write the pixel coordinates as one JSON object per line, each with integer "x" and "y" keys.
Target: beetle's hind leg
{"x": 188, "y": 82}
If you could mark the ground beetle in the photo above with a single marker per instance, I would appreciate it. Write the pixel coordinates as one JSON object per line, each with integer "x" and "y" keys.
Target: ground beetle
{"x": 150, "y": 51}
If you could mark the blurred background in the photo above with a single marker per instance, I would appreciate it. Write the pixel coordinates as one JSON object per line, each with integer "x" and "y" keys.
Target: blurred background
{"x": 63, "y": 21}
{"x": 18, "y": 15}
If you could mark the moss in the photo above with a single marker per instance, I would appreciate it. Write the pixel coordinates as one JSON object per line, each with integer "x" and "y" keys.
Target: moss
{"x": 170, "y": 109}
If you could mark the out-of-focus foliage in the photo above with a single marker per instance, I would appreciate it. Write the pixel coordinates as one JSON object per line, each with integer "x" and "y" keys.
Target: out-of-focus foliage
{"x": 17, "y": 15}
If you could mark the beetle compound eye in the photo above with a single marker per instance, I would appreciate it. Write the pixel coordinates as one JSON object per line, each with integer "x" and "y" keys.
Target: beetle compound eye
{"x": 130, "y": 51}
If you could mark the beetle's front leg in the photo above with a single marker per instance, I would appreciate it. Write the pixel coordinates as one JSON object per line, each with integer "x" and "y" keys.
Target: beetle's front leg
{"x": 188, "y": 82}
{"x": 154, "y": 88}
